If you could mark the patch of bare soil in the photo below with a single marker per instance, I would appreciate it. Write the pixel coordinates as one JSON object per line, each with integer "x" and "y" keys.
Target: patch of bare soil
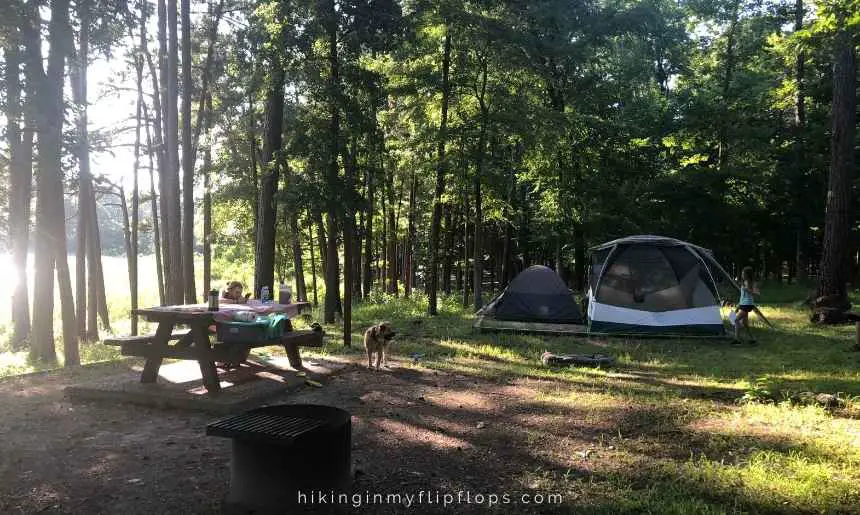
{"x": 414, "y": 430}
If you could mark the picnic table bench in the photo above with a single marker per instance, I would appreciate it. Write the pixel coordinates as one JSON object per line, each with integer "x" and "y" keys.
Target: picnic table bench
{"x": 194, "y": 343}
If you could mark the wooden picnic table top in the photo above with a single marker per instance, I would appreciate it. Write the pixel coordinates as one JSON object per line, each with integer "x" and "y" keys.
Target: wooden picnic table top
{"x": 189, "y": 312}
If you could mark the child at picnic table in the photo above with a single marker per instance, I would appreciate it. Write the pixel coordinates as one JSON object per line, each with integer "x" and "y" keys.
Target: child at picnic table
{"x": 233, "y": 293}
{"x": 746, "y": 304}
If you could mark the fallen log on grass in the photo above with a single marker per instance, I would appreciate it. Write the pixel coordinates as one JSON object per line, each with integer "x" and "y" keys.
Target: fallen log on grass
{"x": 574, "y": 360}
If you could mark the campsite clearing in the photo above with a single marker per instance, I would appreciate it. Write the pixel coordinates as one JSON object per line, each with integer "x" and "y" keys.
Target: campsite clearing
{"x": 661, "y": 432}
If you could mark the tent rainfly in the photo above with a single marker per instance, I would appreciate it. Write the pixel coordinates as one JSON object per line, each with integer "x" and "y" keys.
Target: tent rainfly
{"x": 654, "y": 285}
{"x": 537, "y": 294}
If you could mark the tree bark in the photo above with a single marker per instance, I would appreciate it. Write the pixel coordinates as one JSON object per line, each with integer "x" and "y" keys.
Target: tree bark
{"x": 135, "y": 198}
{"x": 313, "y": 263}
{"x": 579, "y": 256}
{"x": 301, "y": 288}
{"x": 837, "y": 221}
{"x": 50, "y": 221}
{"x": 321, "y": 240}
{"x": 332, "y": 288}
{"x": 348, "y": 247}
{"x": 507, "y": 241}
{"x": 188, "y": 148}
{"x": 799, "y": 154}
{"x": 432, "y": 308}
{"x": 170, "y": 187}
{"x": 392, "y": 237}
{"x": 291, "y": 212}
{"x": 410, "y": 240}
{"x": 478, "y": 252}
{"x": 447, "y": 260}
{"x": 85, "y": 185}
{"x": 20, "y": 190}
{"x": 466, "y": 211}
{"x": 153, "y": 198}
{"x": 264, "y": 262}
{"x": 367, "y": 273}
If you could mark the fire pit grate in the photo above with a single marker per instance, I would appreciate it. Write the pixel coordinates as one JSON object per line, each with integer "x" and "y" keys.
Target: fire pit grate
{"x": 281, "y": 451}
{"x": 264, "y": 427}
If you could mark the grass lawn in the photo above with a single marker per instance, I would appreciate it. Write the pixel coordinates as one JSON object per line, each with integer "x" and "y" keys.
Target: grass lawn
{"x": 674, "y": 435}
{"x": 664, "y": 431}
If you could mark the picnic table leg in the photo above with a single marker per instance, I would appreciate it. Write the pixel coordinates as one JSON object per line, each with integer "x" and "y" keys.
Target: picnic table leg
{"x": 293, "y": 355}
{"x": 161, "y": 341}
{"x": 204, "y": 356}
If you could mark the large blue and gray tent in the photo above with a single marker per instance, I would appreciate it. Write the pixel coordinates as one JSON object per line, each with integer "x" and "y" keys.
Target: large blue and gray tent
{"x": 654, "y": 285}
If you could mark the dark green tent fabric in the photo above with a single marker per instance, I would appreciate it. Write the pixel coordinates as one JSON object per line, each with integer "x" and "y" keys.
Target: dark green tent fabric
{"x": 537, "y": 294}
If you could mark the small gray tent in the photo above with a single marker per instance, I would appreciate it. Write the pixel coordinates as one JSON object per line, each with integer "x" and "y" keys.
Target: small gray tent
{"x": 537, "y": 296}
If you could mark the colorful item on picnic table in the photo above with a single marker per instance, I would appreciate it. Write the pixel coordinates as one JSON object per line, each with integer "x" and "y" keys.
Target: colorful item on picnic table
{"x": 241, "y": 329}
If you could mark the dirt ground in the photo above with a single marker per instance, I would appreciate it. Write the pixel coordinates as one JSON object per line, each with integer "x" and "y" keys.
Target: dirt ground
{"x": 413, "y": 430}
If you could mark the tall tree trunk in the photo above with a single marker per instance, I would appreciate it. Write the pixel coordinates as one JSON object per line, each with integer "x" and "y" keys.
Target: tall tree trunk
{"x": 465, "y": 237}
{"x": 524, "y": 236}
{"x": 207, "y": 219}
{"x": 432, "y": 308}
{"x": 301, "y": 288}
{"x": 264, "y": 257}
{"x": 447, "y": 259}
{"x": 383, "y": 247}
{"x": 153, "y": 199}
{"x": 207, "y": 196}
{"x": 348, "y": 247}
{"x": 477, "y": 250}
{"x": 837, "y": 222}
{"x": 332, "y": 288}
{"x": 799, "y": 154}
{"x": 20, "y": 189}
{"x": 96, "y": 301}
{"x": 292, "y": 223}
{"x": 410, "y": 239}
{"x": 321, "y": 240}
{"x": 252, "y": 159}
{"x": 119, "y": 191}
{"x": 478, "y": 253}
{"x": 367, "y": 272}
{"x": 163, "y": 137}
{"x": 187, "y": 160}
{"x": 579, "y": 256}
{"x": 170, "y": 187}
{"x": 392, "y": 237}
{"x": 313, "y": 263}
{"x": 135, "y": 200}
{"x": 158, "y": 93}
{"x": 507, "y": 242}
{"x": 50, "y": 222}
{"x": 85, "y": 185}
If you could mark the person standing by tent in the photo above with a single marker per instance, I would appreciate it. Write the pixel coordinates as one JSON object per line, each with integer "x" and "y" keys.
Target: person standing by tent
{"x": 746, "y": 304}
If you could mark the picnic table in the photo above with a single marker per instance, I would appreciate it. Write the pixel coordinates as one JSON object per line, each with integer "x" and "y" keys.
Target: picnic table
{"x": 195, "y": 343}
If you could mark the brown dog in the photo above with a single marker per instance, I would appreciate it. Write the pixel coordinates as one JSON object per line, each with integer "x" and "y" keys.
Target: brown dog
{"x": 376, "y": 341}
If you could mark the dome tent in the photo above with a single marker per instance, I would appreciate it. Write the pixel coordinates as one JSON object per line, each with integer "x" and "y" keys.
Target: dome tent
{"x": 654, "y": 285}
{"x": 537, "y": 294}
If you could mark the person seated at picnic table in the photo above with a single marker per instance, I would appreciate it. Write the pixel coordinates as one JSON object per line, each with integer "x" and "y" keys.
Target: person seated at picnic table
{"x": 233, "y": 293}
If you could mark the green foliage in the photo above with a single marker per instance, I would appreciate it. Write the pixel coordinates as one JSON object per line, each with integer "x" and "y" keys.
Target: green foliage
{"x": 760, "y": 389}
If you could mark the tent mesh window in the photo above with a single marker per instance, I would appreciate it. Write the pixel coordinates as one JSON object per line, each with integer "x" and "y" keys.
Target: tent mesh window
{"x": 656, "y": 278}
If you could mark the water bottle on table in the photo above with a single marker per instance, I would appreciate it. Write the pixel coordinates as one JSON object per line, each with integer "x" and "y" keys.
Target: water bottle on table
{"x": 265, "y": 295}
